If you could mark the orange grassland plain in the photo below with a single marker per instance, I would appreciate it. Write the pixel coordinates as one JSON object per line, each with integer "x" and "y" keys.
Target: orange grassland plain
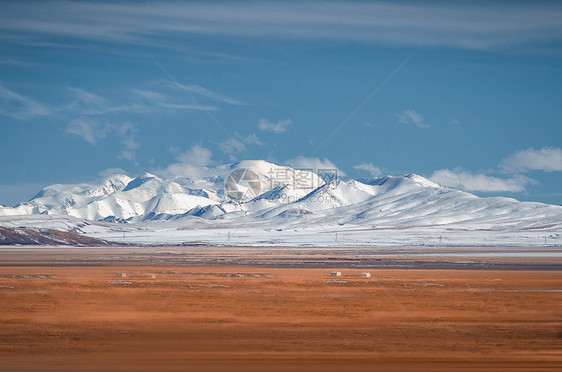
{"x": 252, "y": 318}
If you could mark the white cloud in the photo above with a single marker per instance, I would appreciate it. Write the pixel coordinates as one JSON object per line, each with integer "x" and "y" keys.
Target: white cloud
{"x": 373, "y": 170}
{"x": 212, "y": 95}
{"x": 109, "y": 172}
{"x": 167, "y": 94}
{"x": 85, "y": 97}
{"x": 252, "y": 139}
{"x": 170, "y": 101}
{"x": 20, "y": 107}
{"x": 548, "y": 159}
{"x": 231, "y": 146}
{"x": 128, "y": 155}
{"x": 315, "y": 164}
{"x": 191, "y": 163}
{"x": 88, "y": 103}
{"x": 89, "y": 129}
{"x": 460, "y": 179}
{"x": 130, "y": 143}
{"x": 279, "y": 127}
{"x": 478, "y": 25}
{"x": 412, "y": 117}
{"x": 93, "y": 130}
{"x": 128, "y": 131}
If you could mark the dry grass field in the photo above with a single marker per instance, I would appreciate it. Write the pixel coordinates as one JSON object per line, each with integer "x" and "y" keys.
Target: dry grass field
{"x": 255, "y": 318}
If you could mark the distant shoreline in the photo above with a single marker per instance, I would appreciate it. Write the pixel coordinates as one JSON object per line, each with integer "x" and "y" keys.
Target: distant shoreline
{"x": 392, "y": 258}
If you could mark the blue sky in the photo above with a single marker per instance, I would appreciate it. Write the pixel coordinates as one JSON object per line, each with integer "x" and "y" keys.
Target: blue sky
{"x": 467, "y": 94}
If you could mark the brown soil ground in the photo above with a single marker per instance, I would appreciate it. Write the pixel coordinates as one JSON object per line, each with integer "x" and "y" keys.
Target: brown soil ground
{"x": 253, "y": 318}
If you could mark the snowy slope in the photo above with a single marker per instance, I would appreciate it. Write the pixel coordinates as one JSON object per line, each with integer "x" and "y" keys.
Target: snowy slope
{"x": 389, "y": 210}
{"x": 123, "y": 199}
{"x": 117, "y": 198}
{"x": 388, "y": 202}
{"x": 65, "y": 197}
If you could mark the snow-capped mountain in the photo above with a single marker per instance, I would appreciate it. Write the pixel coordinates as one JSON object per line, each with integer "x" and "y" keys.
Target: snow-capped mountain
{"x": 120, "y": 198}
{"x": 287, "y": 195}
{"x": 291, "y": 207}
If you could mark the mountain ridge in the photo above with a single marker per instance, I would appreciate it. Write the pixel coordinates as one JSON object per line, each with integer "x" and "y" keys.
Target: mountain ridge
{"x": 386, "y": 201}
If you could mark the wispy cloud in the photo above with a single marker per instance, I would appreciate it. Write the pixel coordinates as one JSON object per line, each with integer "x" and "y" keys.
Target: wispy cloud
{"x": 252, "y": 139}
{"x": 302, "y": 162}
{"x": 230, "y": 146}
{"x": 412, "y": 117}
{"x": 370, "y": 168}
{"x": 18, "y": 106}
{"x": 212, "y": 95}
{"x": 458, "y": 178}
{"x": 110, "y": 172}
{"x": 88, "y": 103}
{"x": 127, "y": 132}
{"x": 82, "y": 103}
{"x": 280, "y": 127}
{"x": 13, "y": 61}
{"x": 480, "y": 25}
{"x": 93, "y": 129}
{"x": 167, "y": 88}
{"x": 169, "y": 101}
{"x": 548, "y": 159}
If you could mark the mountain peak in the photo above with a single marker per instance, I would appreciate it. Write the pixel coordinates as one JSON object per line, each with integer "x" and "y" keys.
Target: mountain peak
{"x": 147, "y": 175}
{"x": 421, "y": 180}
{"x": 141, "y": 180}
